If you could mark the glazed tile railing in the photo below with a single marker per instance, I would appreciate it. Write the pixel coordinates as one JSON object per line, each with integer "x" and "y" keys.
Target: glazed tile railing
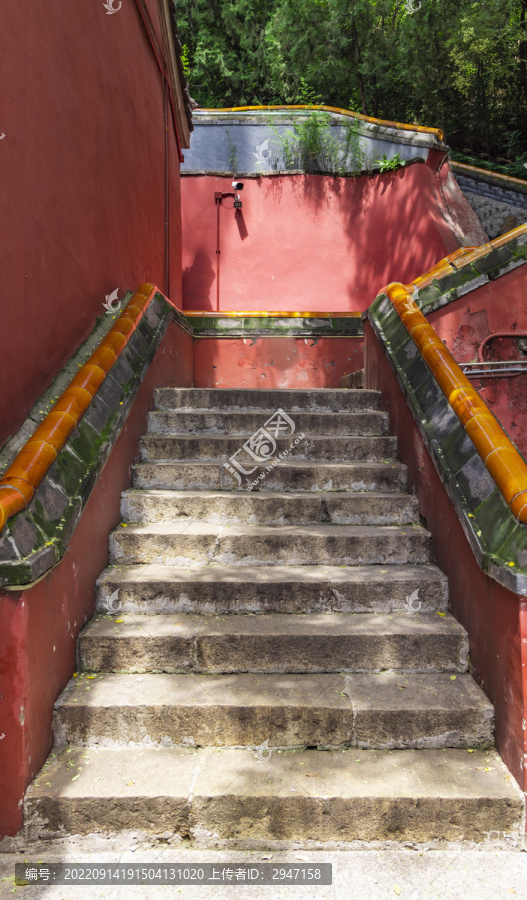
{"x": 504, "y": 463}
{"x": 22, "y": 478}
{"x": 342, "y": 112}
{"x": 265, "y": 314}
{"x": 508, "y": 179}
{"x": 464, "y": 256}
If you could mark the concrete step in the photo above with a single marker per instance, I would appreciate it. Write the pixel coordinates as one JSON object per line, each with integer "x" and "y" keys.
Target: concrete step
{"x": 381, "y": 711}
{"x": 249, "y": 421}
{"x": 235, "y": 798}
{"x": 313, "y": 400}
{"x": 297, "y": 475}
{"x": 270, "y": 508}
{"x": 182, "y": 543}
{"x": 221, "y": 447}
{"x": 319, "y": 642}
{"x": 221, "y": 589}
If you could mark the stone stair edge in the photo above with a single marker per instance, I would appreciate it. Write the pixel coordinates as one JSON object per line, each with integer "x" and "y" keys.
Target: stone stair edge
{"x": 353, "y": 796}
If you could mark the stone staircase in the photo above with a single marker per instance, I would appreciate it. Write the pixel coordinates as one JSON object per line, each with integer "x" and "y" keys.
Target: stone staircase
{"x": 275, "y": 666}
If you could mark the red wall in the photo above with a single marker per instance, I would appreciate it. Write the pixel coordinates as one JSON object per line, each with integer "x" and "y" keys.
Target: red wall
{"x": 495, "y": 618}
{"x": 82, "y": 181}
{"x": 499, "y": 305}
{"x": 276, "y": 362}
{"x": 314, "y": 242}
{"x": 39, "y": 627}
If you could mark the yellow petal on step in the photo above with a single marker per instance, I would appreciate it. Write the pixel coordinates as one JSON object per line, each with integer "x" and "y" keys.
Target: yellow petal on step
{"x": 397, "y": 889}
{"x": 453, "y": 677}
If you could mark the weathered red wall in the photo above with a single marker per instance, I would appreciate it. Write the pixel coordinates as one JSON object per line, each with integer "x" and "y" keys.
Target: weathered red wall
{"x": 83, "y": 182}
{"x": 276, "y": 362}
{"x": 312, "y": 242}
{"x": 497, "y": 306}
{"x": 38, "y": 627}
{"x": 495, "y": 618}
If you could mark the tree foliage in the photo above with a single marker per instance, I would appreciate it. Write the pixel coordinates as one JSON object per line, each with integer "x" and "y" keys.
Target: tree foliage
{"x": 458, "y": 64}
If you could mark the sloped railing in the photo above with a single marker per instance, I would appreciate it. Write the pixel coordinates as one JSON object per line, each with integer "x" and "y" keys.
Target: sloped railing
{"x": 24, "y": 475}
{"x": 503, "y": 461}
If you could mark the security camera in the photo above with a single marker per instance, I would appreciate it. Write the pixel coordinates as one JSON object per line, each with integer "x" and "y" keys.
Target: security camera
{"x": 237, "y": 185}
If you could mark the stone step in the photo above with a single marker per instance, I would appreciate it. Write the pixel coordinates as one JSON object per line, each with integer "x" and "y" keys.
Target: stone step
{"x": 270, "y": 508}
{"x": 222, "y": 589}
{"x": 330, "y": 642}
{"x": 298, "y": 475}
{"x": 290, "y": 400}
{"x": 221, "y": 447}
{"x": 236, "y": 799}
{"x": 249, "y": 421}
{"x": 182, "y": 543}
{"x": 380, "y": 711}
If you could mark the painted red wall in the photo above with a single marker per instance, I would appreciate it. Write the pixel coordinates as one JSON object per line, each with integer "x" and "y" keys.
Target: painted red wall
{"x": 39, "y": 627}
{"x": 497, "y": 306}
{"x": 276, "y": 362}
{"x": 494, "y": 617}
{"x": 313, "y": 242}
{"x": 82, "y": 180}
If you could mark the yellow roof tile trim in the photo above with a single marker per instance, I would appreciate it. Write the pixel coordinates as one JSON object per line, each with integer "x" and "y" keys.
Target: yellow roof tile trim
{"x": 22, "y": 478}
{"x": 342, "y": 112}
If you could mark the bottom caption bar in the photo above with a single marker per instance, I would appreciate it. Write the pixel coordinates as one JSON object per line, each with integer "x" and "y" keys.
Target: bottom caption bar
{"x": 208, "y": 873}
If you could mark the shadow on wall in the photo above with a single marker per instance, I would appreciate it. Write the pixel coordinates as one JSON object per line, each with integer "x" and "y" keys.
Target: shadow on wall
{"x": 240, "y": 222}
{"x": 197, "y": 281}
{"x": 315, "y": 242}
{"x": 391, "y": 224}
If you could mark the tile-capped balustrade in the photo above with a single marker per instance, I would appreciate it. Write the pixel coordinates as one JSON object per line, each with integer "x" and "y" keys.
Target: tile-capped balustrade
{"x": 483, "y": 473}
{"x": 46, "y": 486}
{"x": 468, "y": 268}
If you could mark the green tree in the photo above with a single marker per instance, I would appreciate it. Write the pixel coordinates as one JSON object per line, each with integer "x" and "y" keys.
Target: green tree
{"x": 458, "y": 64}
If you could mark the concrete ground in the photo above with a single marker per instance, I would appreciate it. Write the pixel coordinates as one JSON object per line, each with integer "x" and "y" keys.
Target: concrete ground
{"x": 459, "y": 873}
